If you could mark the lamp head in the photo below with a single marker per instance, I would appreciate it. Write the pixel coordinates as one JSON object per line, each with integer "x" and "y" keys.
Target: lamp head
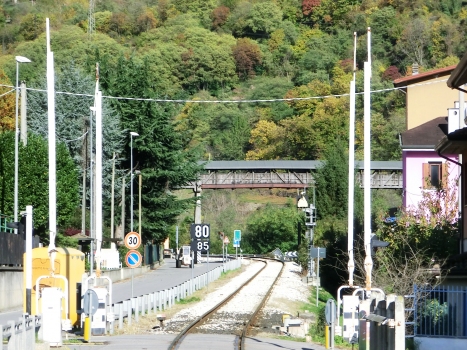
{"x": 22, "y": 59}
{"x": 132, "y": 133}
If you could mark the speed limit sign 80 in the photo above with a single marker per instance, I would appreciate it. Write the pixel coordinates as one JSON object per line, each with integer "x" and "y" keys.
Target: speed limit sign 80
{"x": 132, "y": 240}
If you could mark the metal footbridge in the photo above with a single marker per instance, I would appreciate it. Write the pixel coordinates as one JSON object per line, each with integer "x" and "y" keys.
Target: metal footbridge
{"x": 286, "y": 174}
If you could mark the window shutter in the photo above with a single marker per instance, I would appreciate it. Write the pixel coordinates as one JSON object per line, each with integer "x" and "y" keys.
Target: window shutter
{"x": 426, "y": 175}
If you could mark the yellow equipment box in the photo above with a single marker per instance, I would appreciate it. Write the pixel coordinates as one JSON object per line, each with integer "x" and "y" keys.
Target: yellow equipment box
{"x": 69, "y": 262}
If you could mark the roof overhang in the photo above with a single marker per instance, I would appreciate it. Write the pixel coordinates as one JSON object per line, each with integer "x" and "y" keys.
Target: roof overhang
{"x": 459, "y": 74}
{"x": 447, "y": 146}
{"x": 418, "y": 147}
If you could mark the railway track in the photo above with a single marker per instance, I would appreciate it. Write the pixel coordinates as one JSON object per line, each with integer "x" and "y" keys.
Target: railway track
{"x": 230, "y": 320}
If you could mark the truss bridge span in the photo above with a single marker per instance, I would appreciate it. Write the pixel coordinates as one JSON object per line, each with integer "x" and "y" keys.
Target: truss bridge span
{"x": 286, "y": 174}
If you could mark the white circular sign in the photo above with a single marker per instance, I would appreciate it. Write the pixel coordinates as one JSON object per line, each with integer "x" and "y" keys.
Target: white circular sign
{"x": 132, "y": 240}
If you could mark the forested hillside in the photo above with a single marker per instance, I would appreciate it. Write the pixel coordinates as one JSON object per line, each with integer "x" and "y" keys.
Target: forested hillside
{"x": 211, "y": 79}
{"x": 235, "y": 50}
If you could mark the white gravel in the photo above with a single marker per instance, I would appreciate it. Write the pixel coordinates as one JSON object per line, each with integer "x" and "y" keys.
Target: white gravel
{"x": 188, "y": 314}
{"x": 288, "y": 292}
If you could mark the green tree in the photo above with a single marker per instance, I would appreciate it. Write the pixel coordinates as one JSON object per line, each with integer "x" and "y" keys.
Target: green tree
{"x": 33, "y": 181}
{"x": 263, "y": 88}
{"x": 72, "y": 124}
{"x": 158, "y": 152}
{"x": 272, "y": 227}
{"x": 331, "y": 183}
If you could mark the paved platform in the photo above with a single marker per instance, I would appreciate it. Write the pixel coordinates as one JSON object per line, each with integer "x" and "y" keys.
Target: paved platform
{"x": 197, "y": 342}
{"x": 163, "y": 277}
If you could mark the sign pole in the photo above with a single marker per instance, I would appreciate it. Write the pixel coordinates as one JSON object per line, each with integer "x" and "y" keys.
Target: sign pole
{"x": 132, "y": 242}
{"x": 176, "y": 239}
{"x": 317, "y": 277}
{"x": 192, "y": 264}
{"x": 208, "y": 272}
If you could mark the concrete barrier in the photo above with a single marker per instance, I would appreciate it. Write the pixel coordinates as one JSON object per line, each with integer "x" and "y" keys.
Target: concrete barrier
{"x": 11, "y": 285}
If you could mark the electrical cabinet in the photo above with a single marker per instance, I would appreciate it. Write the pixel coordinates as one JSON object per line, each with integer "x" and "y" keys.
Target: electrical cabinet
{"x": 350, "y": 305}
{"x": 99, "y": 319}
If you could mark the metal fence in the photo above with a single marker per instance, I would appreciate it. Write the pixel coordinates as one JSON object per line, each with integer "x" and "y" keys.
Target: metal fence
{"x": 152, "y": 254}
{"x": 21, "y": 334}
{"x": 12, "y": 248}
{"x": 4, "y": 219}
{"x": 440, "y": 311}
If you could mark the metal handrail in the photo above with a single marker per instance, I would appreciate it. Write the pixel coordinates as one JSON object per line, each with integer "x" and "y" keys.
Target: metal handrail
{"x": 4, "y": 219}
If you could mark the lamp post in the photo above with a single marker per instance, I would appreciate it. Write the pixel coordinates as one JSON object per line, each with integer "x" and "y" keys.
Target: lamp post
{"x": 19, "y": 59}
{"x": 132, "y": 134}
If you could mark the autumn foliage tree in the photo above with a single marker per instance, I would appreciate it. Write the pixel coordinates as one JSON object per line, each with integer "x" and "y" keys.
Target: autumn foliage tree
{"x": 247, "y": 56}
{"x": 219, "y": 16}
{"x": 7, "y": 104}
{"x": 309, "y": 5}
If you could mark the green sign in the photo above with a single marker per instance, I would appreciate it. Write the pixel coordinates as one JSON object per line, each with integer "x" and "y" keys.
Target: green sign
{"x": 237, "y": 235}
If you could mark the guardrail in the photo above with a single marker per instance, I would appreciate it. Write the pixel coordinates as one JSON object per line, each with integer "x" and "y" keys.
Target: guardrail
{"x": 159, "y": 301}
{"x": 21, "y": 334}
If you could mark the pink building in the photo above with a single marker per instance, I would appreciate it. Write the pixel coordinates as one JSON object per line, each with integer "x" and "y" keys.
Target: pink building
{"x": 423, "y": 168}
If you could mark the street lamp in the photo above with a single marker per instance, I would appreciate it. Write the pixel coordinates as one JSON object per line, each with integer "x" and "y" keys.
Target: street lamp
{"x": 19, "y": 59}
{"x": 132, "y": 134}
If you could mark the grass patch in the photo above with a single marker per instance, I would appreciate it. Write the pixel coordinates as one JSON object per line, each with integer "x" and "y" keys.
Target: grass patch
{"x": 189, "y": 300}
{"x": 273, "y": 196}
{"x": 73, "y": 341}
{"x": 317, "y": 330}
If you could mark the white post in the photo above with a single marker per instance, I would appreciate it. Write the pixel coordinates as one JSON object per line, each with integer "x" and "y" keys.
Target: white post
{"x": 52, "y": 159}
{"x": 123, "y": 207}
{"x": 24, "y": 124}
{"x": 19, "y": 59}
{"x": 131, "y": 182}
{"x": 367, "y": 179}
{"x": 131, "y": 178}
{"x": 15, "y": 214}
{"x": 351, "y": 263}
{"x": 28, "y": 257}
{"x": 140, "y": 186}
{"x": 98, "y": 183}
{"x": 112, "y": 205}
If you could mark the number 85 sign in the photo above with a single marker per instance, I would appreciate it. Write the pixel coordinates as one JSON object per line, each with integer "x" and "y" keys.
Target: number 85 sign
{"x": 202, "y": 245}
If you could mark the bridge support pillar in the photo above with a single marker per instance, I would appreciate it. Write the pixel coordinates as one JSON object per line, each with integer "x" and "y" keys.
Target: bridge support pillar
{"x": 197, "y": 191}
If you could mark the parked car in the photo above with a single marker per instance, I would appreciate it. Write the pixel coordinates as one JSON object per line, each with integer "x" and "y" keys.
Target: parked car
{"x": 168, "y": 253}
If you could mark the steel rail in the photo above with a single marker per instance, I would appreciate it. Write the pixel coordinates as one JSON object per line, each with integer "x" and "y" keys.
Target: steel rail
{"x": 177, "y": 340}
{"x": 241, "y": 344}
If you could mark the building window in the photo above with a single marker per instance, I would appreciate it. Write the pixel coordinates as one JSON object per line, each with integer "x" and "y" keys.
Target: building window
{"x": 434, "y": 174}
